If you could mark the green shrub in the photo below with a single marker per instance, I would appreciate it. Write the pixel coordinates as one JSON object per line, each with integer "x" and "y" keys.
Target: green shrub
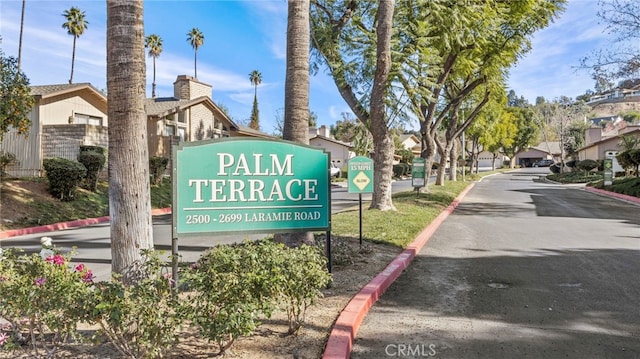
{"x": 572, "y": 164}
{"x": 587, "y": 165}
{"x": 93, "y": 161}
{"x": 224, "y": 297}
{"x": 140, "y": 320}
{"x": 101, "y": 150}
{"x": 233, "y": 284}
{"x": 6, "y": 159}
{"x": 304, "y": 274}
{"x": 555, "y": 168}
{"x": 157, "y": 166}
{"x": 64, "y": 176}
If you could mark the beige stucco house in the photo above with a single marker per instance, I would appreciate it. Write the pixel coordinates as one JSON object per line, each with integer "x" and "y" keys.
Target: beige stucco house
{"x": 64, "y": 117}
{"x": 601, "y": 144}
{"x": 549, "y": 150}
{"x": 340, "y": 151}
{"x": 190, "y": 115}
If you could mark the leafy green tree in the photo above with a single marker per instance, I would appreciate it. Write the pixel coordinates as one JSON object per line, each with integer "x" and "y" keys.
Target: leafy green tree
{"x": 525, "y": 135}
{"x": 440, "y": 40}
{"x": 153, "y": 42}
{"x": 75, "y": 25}
{"x": 361, "y": 71}
{"x": 256, "y": 79}
{"x": 15, "y": 97}
{"x": 195, "y": 37}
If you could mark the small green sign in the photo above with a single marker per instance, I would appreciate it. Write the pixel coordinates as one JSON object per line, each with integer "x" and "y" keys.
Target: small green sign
{"x": 249, "y": 185}
{"x": 608, "y": 171}
{"x": 418, "y": 172}
{"x": 360, "y": 175}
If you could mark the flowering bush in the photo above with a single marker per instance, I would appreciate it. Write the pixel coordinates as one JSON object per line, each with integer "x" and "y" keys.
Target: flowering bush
{"x": 43, "y": 296}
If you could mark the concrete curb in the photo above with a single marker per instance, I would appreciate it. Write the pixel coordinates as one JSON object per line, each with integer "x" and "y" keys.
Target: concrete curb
{"x": 346, "y": 327}
{"x": 68, "y": 225}
{"x": 624, "y": 197}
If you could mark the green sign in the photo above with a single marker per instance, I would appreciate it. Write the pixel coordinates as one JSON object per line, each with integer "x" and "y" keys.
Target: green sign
{"x": 608, "y": 171}
{"x": 249, "y": 185}
{"x": 418, "y": 172}
{"x": 360, "y": 175}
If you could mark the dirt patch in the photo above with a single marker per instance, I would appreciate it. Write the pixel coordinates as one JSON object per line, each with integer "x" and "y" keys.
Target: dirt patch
{"x": 15, "y": 200}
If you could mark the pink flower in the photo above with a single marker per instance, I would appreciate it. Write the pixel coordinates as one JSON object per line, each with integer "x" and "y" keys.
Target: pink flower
{"x": 56, "y": 259}
{"x": 4, "y": 338}
{"x": 168, "y": 277}
{"x": 80, "y": 268}
{"x": 40, "y": 281}
{"x": 87, "y": 277}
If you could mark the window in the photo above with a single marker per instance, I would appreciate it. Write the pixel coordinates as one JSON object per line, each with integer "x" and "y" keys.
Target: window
{"x": 79, "y": 118}
{"x": 171, "y": 130}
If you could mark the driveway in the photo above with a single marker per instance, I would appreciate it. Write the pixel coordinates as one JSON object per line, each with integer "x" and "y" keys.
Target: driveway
{"x": 522, "y": 269}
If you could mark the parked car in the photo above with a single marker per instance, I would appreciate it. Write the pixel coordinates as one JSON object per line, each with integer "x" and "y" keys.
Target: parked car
{"x": 543, "y": 163}
{"x": 335, "y": 171}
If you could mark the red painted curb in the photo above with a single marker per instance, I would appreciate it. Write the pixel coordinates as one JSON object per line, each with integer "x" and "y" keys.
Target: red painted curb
{"x": 68, "y": 225}
{"x": 625, "y": 197}
{"x": 346, "y": 327}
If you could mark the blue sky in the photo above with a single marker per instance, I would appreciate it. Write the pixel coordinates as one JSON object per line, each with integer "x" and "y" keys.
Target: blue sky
{"x": 242, "y": 36}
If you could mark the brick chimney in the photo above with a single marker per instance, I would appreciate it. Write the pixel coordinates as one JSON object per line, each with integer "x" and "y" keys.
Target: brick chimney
{"x": 187, "y": 88}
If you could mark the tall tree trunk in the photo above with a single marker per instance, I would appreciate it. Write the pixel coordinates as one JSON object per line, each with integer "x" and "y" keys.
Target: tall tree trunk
{"x": 453, "y": 161}
{"x": 129, "y": 199}
{"x": 73, "y": 59}
{"x": 195, "y": 63}
{"x": 20, "y": 40}
{"x": 296, "y": 92}
{"x": 153, "y": 85}
{"x": 383, "y": 142}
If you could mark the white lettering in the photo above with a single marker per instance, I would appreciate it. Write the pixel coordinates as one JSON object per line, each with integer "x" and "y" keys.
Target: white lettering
{"x": 198, "y": 184}
{"x": 280, "y": 169}
{"x": 256, "y": 187}
{"x": 216, "y": 189}
{"x": 235, "y": 188}
{"x": 225, "y": 160}
{"x": 288, "y": 190}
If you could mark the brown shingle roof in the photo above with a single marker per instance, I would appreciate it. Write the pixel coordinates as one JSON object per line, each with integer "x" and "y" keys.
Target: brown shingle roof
{"x": 46, "y": 90}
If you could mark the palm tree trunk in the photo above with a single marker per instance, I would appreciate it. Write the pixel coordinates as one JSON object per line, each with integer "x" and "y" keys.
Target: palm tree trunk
{"x": 129, "y": 199}
{"x": 73, "y": 59}
{"x": 296, "y": 100}
{"x": 153, "y": 84}
{"x": 195, "y": 63}
{"x": 20, "y": 41}
{"x": 383, "y": 142}
{"x": 296, "y": 93}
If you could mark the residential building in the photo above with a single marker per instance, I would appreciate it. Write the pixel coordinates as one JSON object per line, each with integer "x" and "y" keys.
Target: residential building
{"x": 64, "y": 117}
{"x": 549, "y": 150}
{"x": 340, "y": 151}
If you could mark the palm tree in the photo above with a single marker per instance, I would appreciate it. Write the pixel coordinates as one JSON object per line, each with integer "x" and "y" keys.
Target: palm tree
{"x": 153, "y": 42}
{"x": 196, "y": 39}
{"x": 20, "y": 40}
{"x": 256, "y": 79}
{"x": 75, "y": 25}
{"x": 129, "y": 199}
{"x": 296, "y": 92}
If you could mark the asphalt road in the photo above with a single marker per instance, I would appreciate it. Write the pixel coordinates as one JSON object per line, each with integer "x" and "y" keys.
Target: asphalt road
{"x": 93, "y": 246}
{"x": 522, "y": 269}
